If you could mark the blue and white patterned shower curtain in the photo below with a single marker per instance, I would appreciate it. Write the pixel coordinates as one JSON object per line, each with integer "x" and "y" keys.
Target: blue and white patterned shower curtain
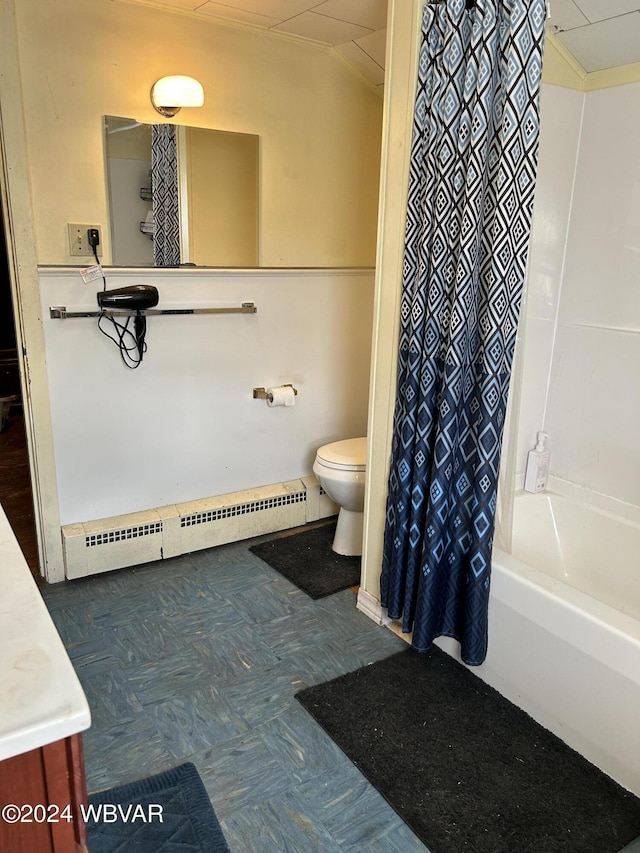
{"x": 472, "y": 179}
{"x": 164, "y": 194}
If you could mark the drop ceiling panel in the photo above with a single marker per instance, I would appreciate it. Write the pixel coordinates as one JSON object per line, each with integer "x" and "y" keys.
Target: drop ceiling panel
{"x": 329, "y": 30}
{"x": 598, "y": 10}
{"x": 607, "y": 44}
{"x": 375, "y": 45}
{"x": 367, "y": 13}
{"x": 280, "y": 9}
{"x": 565, "y": 15}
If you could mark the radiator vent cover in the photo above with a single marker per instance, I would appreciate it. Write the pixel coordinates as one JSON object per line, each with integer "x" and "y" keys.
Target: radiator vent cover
{"x": 124, "y": 533}
{"x": 242, "y": 509}
{"x": 164, "y": 532}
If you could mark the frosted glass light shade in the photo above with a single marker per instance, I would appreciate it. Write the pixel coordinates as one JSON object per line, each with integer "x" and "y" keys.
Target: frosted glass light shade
{"x": 169, "y": 94}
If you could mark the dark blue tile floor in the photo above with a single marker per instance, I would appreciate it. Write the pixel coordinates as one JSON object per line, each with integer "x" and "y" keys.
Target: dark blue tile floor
{"x": 198, "y": 659}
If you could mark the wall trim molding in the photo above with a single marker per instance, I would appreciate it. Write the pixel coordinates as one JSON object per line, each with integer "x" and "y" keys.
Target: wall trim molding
{"x": 400, "y": 84}
{"x": 623, "y": 75}
{"x": 372, "y": 608}
{"x": 559, "y": 66}
{"x": 53, "y": 270}
{"x": 16, "y": 203}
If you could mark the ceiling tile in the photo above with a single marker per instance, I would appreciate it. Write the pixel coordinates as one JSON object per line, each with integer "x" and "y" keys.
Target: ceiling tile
{"x": 280, "y": 9}
{"x": 565, "y": 15}
{"x": 319, "y": 27}
{"x": 367, "y": 13}
{"x": 362, "y": 61}
{"x": 598, "y": 10}
{"x": 375, "y": 45}
{"x": 606, "y": 44}
{"x": 223, "y": 11}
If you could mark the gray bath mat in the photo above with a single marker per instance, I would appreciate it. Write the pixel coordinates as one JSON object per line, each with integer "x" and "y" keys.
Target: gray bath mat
{"x": 306, "y": 559}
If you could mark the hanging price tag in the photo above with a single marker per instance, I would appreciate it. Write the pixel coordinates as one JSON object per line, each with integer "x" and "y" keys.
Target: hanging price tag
{"x": 91, "y": 273}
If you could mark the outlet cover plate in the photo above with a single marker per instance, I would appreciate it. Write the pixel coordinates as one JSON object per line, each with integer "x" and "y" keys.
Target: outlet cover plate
{"x": 78, "y": 242}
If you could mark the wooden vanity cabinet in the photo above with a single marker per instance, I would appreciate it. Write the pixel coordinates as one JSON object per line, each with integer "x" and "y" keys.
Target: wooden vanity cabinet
{"x": 51, "y": 776}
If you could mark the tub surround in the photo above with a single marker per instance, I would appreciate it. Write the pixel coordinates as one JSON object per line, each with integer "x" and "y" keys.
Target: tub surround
{"x": 41, "y": 699}
{"x": 597, "y": 340}
{"x": 590, "y": 542}
{"x": 583, "y": 320}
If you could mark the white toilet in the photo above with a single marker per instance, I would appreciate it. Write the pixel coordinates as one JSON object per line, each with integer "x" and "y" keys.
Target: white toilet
{"x": 341, "y": 471}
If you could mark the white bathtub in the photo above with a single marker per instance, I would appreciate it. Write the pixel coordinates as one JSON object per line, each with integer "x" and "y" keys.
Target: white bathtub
{"x": 564, "y": 627}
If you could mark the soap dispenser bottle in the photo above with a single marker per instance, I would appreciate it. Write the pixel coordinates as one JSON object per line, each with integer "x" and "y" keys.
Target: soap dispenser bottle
{"x": 535, "y": 478}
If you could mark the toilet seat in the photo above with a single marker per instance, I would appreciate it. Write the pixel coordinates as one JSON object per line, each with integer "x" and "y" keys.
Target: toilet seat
{"x": 347, "y": 455}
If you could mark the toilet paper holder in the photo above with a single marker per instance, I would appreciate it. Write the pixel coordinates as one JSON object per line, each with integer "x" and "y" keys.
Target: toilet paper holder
{"x": 263, "y": 394}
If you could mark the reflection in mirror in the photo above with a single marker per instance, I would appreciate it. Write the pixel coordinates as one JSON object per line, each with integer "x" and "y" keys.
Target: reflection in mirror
{"x": 181, "y": 195}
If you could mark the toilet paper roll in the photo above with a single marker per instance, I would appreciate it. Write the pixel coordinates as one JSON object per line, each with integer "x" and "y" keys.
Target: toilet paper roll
{"x": 283, "y": 395}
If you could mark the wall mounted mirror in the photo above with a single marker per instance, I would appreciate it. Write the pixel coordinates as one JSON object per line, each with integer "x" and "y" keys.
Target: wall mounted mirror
{"x": 181, "y": 195}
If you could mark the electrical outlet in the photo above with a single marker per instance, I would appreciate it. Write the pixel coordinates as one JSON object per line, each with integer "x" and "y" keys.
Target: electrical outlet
{"x": 79, "y": 242}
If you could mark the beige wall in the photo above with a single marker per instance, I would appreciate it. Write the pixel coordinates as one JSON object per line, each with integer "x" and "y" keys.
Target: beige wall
{"x": 319, "y": 122}
{"x": 223, "y": 197}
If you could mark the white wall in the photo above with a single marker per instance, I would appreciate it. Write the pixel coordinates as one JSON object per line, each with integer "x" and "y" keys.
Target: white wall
{"x": 184, "y": 424}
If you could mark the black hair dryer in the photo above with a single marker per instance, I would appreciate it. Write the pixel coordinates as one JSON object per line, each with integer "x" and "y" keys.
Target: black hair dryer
{"x": 136, "y": 297}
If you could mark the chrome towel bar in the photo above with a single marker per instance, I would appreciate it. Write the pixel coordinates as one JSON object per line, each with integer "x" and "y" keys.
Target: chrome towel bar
{"x": 59, "y": 312}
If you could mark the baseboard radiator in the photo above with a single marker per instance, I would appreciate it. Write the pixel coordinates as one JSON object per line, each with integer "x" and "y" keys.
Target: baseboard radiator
{"x": 141, "y": 537}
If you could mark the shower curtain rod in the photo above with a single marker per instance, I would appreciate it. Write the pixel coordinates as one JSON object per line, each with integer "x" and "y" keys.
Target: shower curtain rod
{"x": 470, "y": 3}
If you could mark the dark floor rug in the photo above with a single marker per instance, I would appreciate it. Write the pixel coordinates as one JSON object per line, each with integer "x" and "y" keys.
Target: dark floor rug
{"x": 465, "y": 768}
{"x": 188, "y": 825}
{"x": 306, "y": 559}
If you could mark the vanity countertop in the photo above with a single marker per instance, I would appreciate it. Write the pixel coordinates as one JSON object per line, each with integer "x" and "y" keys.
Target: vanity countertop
{"x": 41, "y": 699}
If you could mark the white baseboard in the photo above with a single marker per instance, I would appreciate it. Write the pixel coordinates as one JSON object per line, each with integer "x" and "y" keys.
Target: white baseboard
{"x": 372, "y": 608}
